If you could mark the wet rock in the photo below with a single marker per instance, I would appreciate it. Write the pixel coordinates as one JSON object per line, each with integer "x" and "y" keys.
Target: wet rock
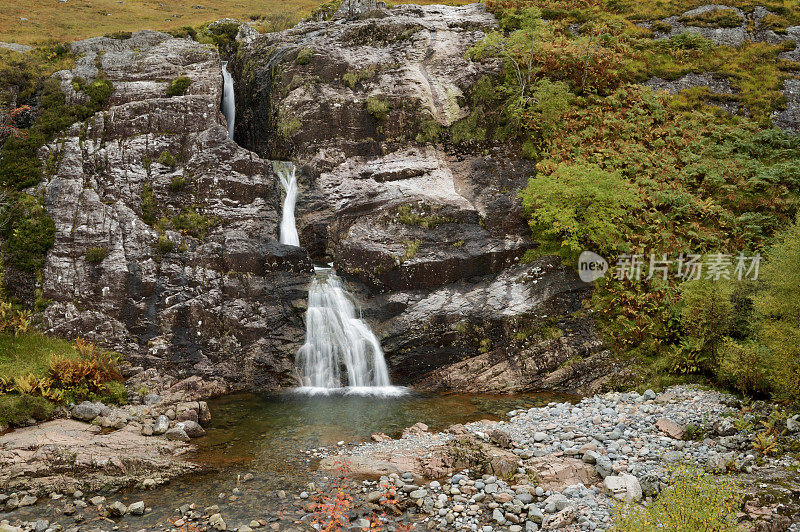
{"x": 191, "y": 428}
{"x": 117, "y": 509}
{"x": 232, "y": 276}
{"x": 97, "y": 500}
{"x": 27, "y": 500}
{"x": 136, "y": 508}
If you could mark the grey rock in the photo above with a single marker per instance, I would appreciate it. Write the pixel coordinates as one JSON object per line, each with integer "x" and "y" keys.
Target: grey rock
{"x": 136, "y": 508}
{"x": 86, "y": 411}
{"x": 793, "y": 423}
{"x": 117, "y": 509}
{"x": 603, "y": 466}
{"x": 177, "y": 434}
{"x": 191, "y": 428}
{"x": 161, "y": 426}
{"x": 624, "y": 487}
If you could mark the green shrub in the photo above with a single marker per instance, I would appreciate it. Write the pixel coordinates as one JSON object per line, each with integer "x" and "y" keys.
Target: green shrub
{"x": 149, "y": 205}
{"x": 429, "y": 130}
{"x": 99, "y": 91}
{"x": 164, "y": 245}
{"x": 96, "y": 255}
{"x": 222, "y": 35}
{"x": 17, "y": 409}
{"x": 412, "y": 247}
{"x": 579, "y": 207}
{"x": 778, "y": 303}
{"x": 177, "y": 183}
{"x": 705, "y": 314}
{"x": 20, "y": 167}
{"x": 167, "y": 159}
{"x": 304, "y": 56}
{"x": 183, "y": 32}
{"x": 189, "y": 222}
{"x": 28, "y": 232}
{"x": 179, "y": 86}
{"x": 743, "y": 367}
{"x": 378, "y": 107}
{"x": 350, "y": 79}
{"x": 693, "y": 501}
{"x": 287, "y": 126}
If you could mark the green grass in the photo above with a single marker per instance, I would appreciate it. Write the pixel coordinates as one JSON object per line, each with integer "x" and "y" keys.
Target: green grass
{"x": 80, "y": 19}
{"x": 30, "y": 353}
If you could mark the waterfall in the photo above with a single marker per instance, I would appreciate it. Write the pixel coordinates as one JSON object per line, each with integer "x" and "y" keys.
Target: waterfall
{"x": 340, "y": 348}
{"x": 228, "y": 99}
{"x": 286, "y": 174}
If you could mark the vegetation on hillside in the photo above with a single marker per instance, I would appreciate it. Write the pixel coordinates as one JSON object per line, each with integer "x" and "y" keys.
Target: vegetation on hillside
{"x": 693, "y": 501}
{"x": 38, "y": 372}
{"x": 638, "y": 175}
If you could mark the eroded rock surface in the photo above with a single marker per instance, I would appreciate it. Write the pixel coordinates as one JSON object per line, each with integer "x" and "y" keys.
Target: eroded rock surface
{"x": 430, "y": 236}
{"x": 69, "y": 455}
{"x": 165, "y": 229}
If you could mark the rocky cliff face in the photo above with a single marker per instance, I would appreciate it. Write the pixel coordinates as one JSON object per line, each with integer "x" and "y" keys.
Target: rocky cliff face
{"x": 166, "y": 230}
{"x": 432, "y": 235}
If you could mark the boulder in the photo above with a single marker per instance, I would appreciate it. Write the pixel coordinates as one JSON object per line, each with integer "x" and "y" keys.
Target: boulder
{"x": 556, "y": 473}
{"x": 624, "y": 487}
{"x": 86, "y": 411}
{"x": 670, "y": 428}
{"x": 177, "y": 434}
{"x": 161, "y": 426}
{"x": 117, "y": 509}
{"x": 191, "y": 428}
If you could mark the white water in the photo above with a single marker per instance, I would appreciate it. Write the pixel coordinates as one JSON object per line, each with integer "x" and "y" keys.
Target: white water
{"x": 341, "y": 353}
{"x": 286, "y": 174}
{"x": 228, "y": 99}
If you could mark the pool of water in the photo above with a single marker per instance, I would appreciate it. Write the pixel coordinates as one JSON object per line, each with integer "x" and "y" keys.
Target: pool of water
{"x": 265, "y": 435}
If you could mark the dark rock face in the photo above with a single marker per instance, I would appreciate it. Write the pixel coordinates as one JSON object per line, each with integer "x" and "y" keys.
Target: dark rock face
{"x": 192, "y": 278}
{"x": 202, "y": 286}
{"x": 430, "y": 237}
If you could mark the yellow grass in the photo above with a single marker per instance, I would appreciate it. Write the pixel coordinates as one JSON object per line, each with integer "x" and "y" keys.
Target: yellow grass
{"x": 80, "y": 19}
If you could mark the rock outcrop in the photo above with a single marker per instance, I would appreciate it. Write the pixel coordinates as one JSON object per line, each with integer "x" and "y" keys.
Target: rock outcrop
{"x": 165, "y": 229}
{"x": 739, "y": 28}
{"x": 431, "y": 236}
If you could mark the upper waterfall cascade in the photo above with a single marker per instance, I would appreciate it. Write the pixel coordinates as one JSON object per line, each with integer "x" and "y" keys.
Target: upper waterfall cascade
{"x": 228, "y": 99}
{"x": 287, "y": 175}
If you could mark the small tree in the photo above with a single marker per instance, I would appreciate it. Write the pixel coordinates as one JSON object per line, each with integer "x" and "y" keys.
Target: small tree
{"x": 778, "y": 302}
{"x": 580, "y": 206}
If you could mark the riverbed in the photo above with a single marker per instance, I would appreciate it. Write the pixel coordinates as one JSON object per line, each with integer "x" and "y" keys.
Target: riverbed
{"x": 273, "y": 438}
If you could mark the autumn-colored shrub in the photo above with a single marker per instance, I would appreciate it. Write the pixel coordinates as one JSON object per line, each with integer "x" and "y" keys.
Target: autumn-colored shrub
{"x": 88, "y": 375}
